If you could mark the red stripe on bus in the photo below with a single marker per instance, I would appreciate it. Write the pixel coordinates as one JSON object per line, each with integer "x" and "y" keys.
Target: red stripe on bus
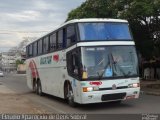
{"x": 37, "y": 73}
{"x": 31, "y": 66}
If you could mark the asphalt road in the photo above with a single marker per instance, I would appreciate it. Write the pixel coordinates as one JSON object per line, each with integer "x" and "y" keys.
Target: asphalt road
{"x": 145, "y": 104}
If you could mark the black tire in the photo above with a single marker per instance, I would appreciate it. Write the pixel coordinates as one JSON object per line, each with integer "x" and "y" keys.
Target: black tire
{"x": 39, "y": 88}
{"x": 34, "y": 86}
{"x": 69, "y": 96}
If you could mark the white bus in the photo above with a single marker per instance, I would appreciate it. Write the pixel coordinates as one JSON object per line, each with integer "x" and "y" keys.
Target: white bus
{"x": 85, "y": 61}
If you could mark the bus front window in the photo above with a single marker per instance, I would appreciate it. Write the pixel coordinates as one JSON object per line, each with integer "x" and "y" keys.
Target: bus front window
{"x": 107, "y": 62}
{"x": 104, "y": 31}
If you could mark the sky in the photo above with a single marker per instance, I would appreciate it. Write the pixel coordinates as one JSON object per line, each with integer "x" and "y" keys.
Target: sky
{"x": 31, "y": 18}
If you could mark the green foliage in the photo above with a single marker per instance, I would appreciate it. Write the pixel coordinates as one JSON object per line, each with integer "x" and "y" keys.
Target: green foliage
{"x": 143, "y": 17}
{"x": 93, "y": 9}
{"x": 19, "y": 62}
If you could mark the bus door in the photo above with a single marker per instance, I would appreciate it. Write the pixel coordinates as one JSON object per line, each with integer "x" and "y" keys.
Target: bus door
{"x": 73, "y": 68}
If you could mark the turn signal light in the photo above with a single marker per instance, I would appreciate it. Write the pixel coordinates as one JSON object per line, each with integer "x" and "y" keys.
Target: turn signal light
{"x": 89, "y": 89}
{"x": 85, "y": 89}
{"x": 134, "y": 85}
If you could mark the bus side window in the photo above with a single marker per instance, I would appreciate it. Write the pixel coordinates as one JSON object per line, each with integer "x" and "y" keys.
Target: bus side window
{"x": 73, "y": 63}
{"x": 30, "y": 50}
{"x": 27, "y": 51}
{"x": 71, "y": 36}
{"x": 69, "y": 63}
{"x": 46, "y": 45}
{"x": 60, "y": 39}
{"x": 40, "y": 47}
{"x": 35, "y": 49}
{"x": 53, "y": 40}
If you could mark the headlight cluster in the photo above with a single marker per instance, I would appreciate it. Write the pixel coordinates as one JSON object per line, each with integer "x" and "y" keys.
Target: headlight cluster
{"x": 134, "y": 85}
{"x": 90, "y": 89}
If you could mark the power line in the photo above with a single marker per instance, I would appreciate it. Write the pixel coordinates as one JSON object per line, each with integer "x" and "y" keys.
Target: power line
{"x": 6, "y": 47}
{"x": 12, "y": 32}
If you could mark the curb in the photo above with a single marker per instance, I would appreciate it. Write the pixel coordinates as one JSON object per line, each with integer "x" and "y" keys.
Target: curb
{"x": 149, "y": 93}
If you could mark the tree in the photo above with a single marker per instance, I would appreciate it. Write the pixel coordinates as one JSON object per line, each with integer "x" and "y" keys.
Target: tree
{"x": 143, "y": 17}
{"x": 94, "y": 9}
{"x": 19, "y": 62}
{"x": 21, "y": 47}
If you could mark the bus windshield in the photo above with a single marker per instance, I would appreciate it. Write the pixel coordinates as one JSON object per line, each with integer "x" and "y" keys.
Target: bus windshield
{"x": 109, "y": 62}
{"x": 104, "y": 31}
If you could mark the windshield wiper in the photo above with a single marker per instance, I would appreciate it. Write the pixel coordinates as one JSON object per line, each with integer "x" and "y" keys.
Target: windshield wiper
{"x": 112, "y": 64}
{"x": 115, "y": 64}
{"x": 106, "y": 66}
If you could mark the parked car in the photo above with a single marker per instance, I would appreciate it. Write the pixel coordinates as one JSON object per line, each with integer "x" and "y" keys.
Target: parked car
{"x": 1, "y": 74}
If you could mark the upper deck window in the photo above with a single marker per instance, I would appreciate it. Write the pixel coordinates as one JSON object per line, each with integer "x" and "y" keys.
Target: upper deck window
{"x": 45, "y": 44}
{"x": 104, "y": 31}
{"x": 30, "y": 50}
{"x": 53, "y": 39}
{"x": 71, "y": 35}
{"x": 60, "y": 39}
{"x": 40, "y": 47}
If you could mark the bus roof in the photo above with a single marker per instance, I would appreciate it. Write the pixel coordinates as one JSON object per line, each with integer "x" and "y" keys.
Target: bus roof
{"x": 92, "y": 20}
{"x": 95, "y": 20}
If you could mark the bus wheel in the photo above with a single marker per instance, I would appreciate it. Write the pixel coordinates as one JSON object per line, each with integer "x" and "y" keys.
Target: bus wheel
{"x": 70, "y": 96}
{"x": 39, "y": 88}
{"x": 34, "y": 86}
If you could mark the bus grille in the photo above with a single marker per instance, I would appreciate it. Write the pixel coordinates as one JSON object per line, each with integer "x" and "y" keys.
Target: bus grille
{"x": 110, "y": 88}
{"x": 116, "y": 96}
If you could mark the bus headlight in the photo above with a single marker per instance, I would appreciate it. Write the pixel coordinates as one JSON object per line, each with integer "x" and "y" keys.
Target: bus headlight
{"x": 89, "y": 89}
{"x": 134, "y": 85}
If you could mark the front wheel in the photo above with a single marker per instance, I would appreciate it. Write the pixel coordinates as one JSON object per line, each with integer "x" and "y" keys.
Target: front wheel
{"x": 70, "y": 96}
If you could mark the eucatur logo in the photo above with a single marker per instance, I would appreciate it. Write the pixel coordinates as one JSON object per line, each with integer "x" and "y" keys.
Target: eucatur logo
{"x": 96, "y": 83}
{"x": 114, "y": 86}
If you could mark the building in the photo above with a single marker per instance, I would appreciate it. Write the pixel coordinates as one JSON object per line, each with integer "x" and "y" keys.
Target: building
{"x": 8, "y": 61}
{"x": 0, "y": 61}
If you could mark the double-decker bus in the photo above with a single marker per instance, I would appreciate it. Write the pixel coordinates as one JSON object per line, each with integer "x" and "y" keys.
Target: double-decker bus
{"x": 85, "y": 61}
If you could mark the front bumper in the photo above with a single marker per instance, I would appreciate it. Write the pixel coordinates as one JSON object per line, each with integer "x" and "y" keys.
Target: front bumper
{"x": 109, "y": 95}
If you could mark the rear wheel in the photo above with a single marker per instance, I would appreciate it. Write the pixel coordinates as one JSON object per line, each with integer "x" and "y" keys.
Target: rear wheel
{"x": 34, "y": 86}
{"x": 70, "y": 96}
{"x": 39, "y": 88}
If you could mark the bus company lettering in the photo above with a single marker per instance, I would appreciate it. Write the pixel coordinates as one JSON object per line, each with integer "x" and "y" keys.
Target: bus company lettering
{"x": 96, "y": 83}
{"x": 46, "y": 60}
